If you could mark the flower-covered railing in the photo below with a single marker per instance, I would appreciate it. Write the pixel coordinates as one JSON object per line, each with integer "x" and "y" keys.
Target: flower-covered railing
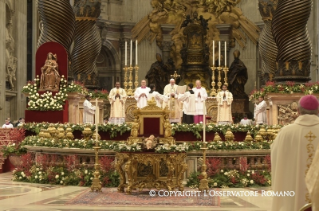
{"x": 289, "y": 87}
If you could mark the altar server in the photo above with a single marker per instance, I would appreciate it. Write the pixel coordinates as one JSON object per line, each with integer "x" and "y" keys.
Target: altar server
{"x": 141, "y": 95}
{"x": 7, "y": 124}
{"x": 292, "y": 153}
{"x": 117, "y": 98}
{"x": 171, "y": 101}
{"x": 312, "y": 181}
{"x": 260, "y": 111}
{"x": 224, "y": 100}
{"x": 245, "y": 120}
{"x": 88, "y": 111}
{"x": 189, "y": 107}
{"x": 200, "y": 98}
{"x": 157, "y": 96}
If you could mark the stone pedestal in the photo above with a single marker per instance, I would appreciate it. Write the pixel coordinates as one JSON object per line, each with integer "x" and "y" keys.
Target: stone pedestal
{"x": 74, "y": 108}
{"x": 283, "y": 108}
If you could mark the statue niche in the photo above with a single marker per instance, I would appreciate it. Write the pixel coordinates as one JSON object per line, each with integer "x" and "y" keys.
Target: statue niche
{"x": 50, "y": 77}
{"x": 195, "y": 52}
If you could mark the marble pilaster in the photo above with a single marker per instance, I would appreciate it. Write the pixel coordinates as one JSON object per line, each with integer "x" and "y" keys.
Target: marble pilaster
{"x": 2, "y": 60}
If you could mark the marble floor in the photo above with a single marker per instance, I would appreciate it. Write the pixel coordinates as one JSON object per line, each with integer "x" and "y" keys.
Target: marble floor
{"x": 35, "y": 197}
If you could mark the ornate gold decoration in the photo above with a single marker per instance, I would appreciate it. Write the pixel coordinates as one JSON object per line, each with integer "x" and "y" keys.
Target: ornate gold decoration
{"x": 229, "y": 136}
{"x": 267, "y": 46}
{"x": 175, "y": 11}
{"x": 294, "y": 46}
{"x": 258, "y": 137}
{"x": 310, "y": 151}
{"x": 130, "y": 83}
{"x": 175, "y": 75}
{"x": 263, "y": 132}
{"x": 87, "y": 40}
{"x": 53, "y": 15}
{"x": 219, "y": 83}
{"x": 217, "y": 137}
{"x": 69, "y": 134}
{"x": 134, "y": 133}
{"x": 288, "y": 113}
{"x": 51, "y": 130}
{"x": 87, "y": 132}
{"x": 136, "y": 68}
{"x": 248, "y": 137}
{"x": 50, "y": 77}
{"x": 96, "y": 183}
{"x": 203, "y": 185}
{"x": 175, "y": 168}
{"x": 213, "y": 92}
{"x": 225, "y": 69}
{"x": 60, "y": 133}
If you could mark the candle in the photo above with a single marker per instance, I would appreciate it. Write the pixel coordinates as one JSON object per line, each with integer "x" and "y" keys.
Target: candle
{"x": 96, "y": 119}
{"x": 136, "y": 52}
{"x": 204, "y": 122}
{"x": 225, "y": 54}
{"x": 213, "y": 53}
{"x": 219, "y": 54}
{"x": 131, "y": 53}
{"x": 125, "y": 53}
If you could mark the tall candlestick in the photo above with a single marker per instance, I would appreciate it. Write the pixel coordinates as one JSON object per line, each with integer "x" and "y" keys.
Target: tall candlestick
{"x": 219, "y": 54}
{"x": 131, "y": 53}
{"x": 136, "y": 52}
{"x": 204, "y": 122}
{"x": 225, "y": 54}
{"x": 125, "y": 53}
{"x": 96, "y": 118}
{"x": 213, "y": 53}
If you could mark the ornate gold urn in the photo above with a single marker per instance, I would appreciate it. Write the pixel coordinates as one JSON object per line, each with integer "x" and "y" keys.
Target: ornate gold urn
{"x": 60, "y": 132}
{"x": 69, "y": 133}
{"x": 52, "y": 130}
{"x": 229, "y": 136}
{"x": 87, "y": 132}
{"x": 258, "y": 137}
{"x": 248, "y": 137}
{"x": 217, "y": 137}
{"x": 263, "y": 132}
{"x": 42, "y": 133}
{"x": 47, "y": 134}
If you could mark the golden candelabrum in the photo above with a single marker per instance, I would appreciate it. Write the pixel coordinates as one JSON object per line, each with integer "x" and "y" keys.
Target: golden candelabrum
{"x": 136, "y": 77}
{"x": 130, "y": 83}
{"x": 225, "y": 78}
{"x": 219, "y": 83}
{"x": 213, "y": 92}
{"x": 96, "y": 183}
{"x": 203, "y": 185}
{"x": 125, "y": 77}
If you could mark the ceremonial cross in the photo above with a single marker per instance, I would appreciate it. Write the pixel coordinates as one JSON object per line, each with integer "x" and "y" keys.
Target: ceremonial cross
{"x": 175, "y": 75}
{"x": 310, "y": 136}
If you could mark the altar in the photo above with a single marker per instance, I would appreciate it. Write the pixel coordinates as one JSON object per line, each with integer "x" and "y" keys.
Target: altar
{"x": 139, "y": 170}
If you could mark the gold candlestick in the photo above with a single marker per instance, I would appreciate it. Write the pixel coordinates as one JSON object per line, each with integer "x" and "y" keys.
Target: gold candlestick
{"x": 219, "y": 83}
{"x": 203, "y": 185}
{"x": 225, "y": 78}
{"x": 213, "y": 92}
{"x": 125, "y": 78}
{"x": 130, "y": 83}
{"x": 96, "y": 183}
{"x": 136, "y": 77}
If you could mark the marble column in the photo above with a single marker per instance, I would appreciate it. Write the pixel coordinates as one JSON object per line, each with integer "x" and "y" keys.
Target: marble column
{"x": 2, "y": 60}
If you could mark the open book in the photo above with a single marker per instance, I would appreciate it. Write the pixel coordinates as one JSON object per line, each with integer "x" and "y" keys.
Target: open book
{"x": 181, "y": 89}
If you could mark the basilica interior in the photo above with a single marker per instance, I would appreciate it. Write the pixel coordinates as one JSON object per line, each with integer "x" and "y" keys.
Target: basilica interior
{"x": 260, "y": 48}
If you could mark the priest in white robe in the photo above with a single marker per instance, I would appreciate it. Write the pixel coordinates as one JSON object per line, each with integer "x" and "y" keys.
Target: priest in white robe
{"x": 117, "y": 98}
{"x": 141, "y": 95}
{"x": 157, "y": 96}
{"x": 200, "y": 98}
{"x": 292, "y": 153}
{"x": 88, "y": 111}
{"x": 171, "y": 101}
{"x": 245, "y": 120}
{"x": 260, "y": 113}
{"x": 224, "y": 100}
{"x": 312, "y": 181}
{"x": 189, "y": 107}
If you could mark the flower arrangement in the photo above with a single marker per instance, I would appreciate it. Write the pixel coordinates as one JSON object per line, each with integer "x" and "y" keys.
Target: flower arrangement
{"x": 44, "y": 169}
{"x": 103, "y": 94}
{"x": 77, "y": 87}
{"x": 13, "y": 149}
{"x": 288, "y": 88}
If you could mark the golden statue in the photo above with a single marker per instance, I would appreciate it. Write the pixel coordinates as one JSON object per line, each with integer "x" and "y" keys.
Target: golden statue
{"x": 135, "y": 128}
{"x": 168, "y": 128}
{"x": 50, "y": 77}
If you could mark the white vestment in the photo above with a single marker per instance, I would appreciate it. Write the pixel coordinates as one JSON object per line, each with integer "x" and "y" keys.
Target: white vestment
{"x": 224, "y": 101}
{"x": 141, "y": 101}
{"x": 292, "y": 153}
{"x": 172, "y": 103}
{"x": 117, "y": 114}
{"x": 189, "y": 104}
{"x": 260, "y": 113}
{"x": 157, "y": 97}
{"x": 199, "y": 101}
{"x": 312, "y": 181}
{"x": 88, "y": 112}
{"x": 245, "y": 122}
{"x": 7, "y": 126}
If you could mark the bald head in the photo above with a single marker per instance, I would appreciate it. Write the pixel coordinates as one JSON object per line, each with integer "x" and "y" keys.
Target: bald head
{"x": 172, "y": 81}
{"x": 143, "y": 83}
{"x": 198, "y": 83}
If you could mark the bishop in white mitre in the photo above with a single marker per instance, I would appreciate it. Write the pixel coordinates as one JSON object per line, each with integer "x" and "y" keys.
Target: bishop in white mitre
{"x": 117, "y": 98}
{"x": 141, "y": 95}
{"x": 292, "y": 154}
{"x": 200, "y": 98}
{"x": 224, "y": 100}
{"x": 260, "y": 114}
{"x": 171, "y": 101}
{"x": 88, "y": 111}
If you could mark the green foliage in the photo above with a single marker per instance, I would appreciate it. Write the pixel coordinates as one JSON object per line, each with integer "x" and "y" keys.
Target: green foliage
{"x": 13, "y": 149}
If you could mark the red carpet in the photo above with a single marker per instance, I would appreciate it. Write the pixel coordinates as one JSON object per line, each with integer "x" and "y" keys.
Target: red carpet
{"x": 110, "y": 197}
